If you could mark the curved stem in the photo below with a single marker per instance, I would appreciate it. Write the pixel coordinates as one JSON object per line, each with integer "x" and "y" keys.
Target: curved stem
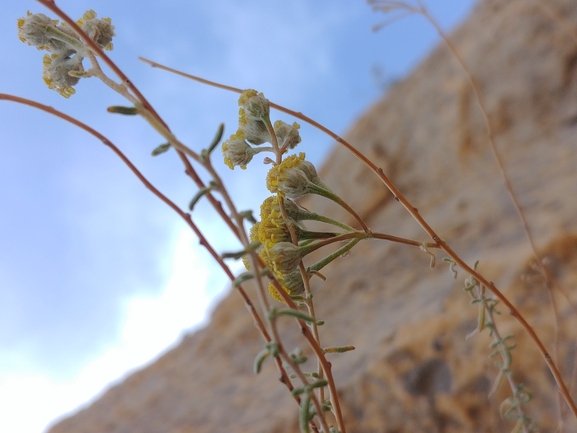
{"x": 399, "y": 240}
{"x": 338, "y": 253}
{"x": 311, "y": 216}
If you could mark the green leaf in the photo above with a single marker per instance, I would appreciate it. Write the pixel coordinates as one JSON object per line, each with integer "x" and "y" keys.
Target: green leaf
{"x": 161, "y": 149}
{"x": 260, "y": 357}
{"x": 129, "y": 111}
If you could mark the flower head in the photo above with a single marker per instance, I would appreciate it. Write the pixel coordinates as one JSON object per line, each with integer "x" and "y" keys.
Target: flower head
{"x": 254, "y": 106}
{"x": 56, "y": 73}
{"x": 237, "y": 152}
{"x": 293, "y": 177}
{"x": 285, "y": 257}
{"x": 287, "y": 135}
{"x": 99, "y": 30}
{"x": 253, "y": 113}
{"x": 33, "y": 30}
{"x": 255, "y": 132}
{"x": 291, "y": 283}
{"x": 272, "y": 228}
{"x": 62, "y": 69}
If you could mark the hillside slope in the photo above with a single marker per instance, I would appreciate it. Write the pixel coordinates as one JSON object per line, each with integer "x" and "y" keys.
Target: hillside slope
{"x": 413, "y": 369}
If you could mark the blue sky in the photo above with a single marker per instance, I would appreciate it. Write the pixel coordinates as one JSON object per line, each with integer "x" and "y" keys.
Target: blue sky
{"x": 98, "y": 277}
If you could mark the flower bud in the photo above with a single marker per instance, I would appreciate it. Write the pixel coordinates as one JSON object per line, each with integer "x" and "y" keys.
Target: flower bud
{"x": 287, "y": 135}
{"x": 287, "y": 179}
{"x": 291, "y": 283}
{"x": 254, "y": 105}
{"x": 237, "y": 152}
{"x": 293, "y": 210}
{"x": 99, "y": 30}
{"x": 56, "y": 73}
{"x": 256, "y": 132}
{"x": 285, "y": 257}
{"x": 33, "y": 30}
{"x": 295, "y": 177}
{"x": 46, "y": 34}
{"x": 310, "y": 172}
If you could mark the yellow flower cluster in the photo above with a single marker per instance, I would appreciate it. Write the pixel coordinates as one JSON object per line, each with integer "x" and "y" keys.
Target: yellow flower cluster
{"x": 278, "y": 175}
{"x": 276, "y": 250}
{"x": 236, "y": 151}
{"x": 254, "y": 129}
{"x": 290, "y": 178}
{"x": 272, "y": 228}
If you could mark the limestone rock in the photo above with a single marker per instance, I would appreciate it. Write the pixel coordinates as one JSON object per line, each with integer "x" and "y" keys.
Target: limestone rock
{"x": 413, "y": 369}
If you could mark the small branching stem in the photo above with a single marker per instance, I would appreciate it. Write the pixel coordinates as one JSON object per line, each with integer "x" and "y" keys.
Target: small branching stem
{"x": 503, "y": 348}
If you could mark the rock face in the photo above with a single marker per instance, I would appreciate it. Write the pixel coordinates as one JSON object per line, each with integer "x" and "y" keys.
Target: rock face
{"x": 413, "y": 369}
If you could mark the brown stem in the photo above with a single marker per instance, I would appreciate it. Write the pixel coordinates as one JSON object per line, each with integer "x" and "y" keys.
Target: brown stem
{"x": 405, "y": 241}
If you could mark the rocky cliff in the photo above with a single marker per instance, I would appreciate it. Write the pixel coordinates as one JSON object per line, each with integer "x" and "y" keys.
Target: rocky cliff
{"x": 413, "y": 369}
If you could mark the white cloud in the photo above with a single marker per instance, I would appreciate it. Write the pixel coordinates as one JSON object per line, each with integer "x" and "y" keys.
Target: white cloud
{"x": 29, "y": 401}
{"x": 153, "y": 322}
{"x": 151, "y": 325}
